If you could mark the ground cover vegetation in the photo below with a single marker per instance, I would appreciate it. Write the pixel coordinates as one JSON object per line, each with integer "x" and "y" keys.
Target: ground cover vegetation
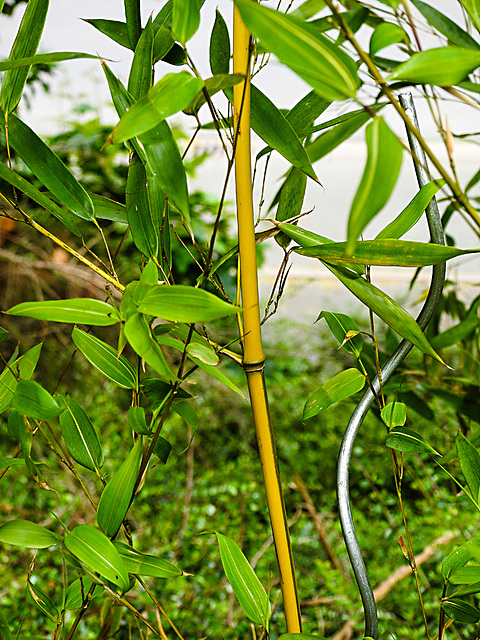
{"x": 135, "y": 482}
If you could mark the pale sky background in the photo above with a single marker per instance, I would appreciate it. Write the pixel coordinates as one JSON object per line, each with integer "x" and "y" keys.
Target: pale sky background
{"x": 80, "y": 81}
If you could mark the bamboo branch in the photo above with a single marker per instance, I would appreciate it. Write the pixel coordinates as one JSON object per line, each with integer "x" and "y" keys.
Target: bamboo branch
{"x": 254, "y": 358}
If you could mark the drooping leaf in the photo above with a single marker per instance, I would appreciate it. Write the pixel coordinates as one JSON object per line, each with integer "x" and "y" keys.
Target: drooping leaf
{"x": 327, "y": 68}
{"x": 342, "y": 327}
{"x": 185, "y": 19}
{"x": 40, "y": 599}
{"x": 245, "y": 584}
{"x": 461, "y": 611}
{"x": 47, "y": 167}
{"x": 144, "y": 220}
{"x": 80, "y": 436}
{"x": 44, "y": 58}
{"x": 382, "y": 168}
{"x": 24, "y": 533}
{"x": 292, "y": 194}
{"x": 219, "y": 46}
{"x": 114, "y": 29}
{"x": 102, "y": 356}
{"x": 384, "y": 35}
{"x": 341, "y": 386}
{"x": 138, "y": 334}
{"x": 386, "y": 252}
{"x": 394, "y": 414}
{"x": 34, "y": 401}
{"x": 412, "y": 212}
{"x": 23, "y": 368}
{"x": 451, "y": 30}
{"x": 162, "y": 449}
{"x": 25, "y": 45}
{"x": 168, "y": 96}
{"x": 180, "y": 303}
{"x": 187, "y": 412}
{"x": 470, "y": 464}
{"x": 406, "y": 440}
{"x": 96, "y": 551}
{"x": 444, "y": 66}
{"x": 136, "y": 418}
{"x": 144, "y": 564}
{"x": 117, "y": 495}
{"x": 73, "y": 310}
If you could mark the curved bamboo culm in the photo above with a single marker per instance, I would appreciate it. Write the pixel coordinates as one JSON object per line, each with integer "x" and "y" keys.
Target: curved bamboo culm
{"x": 254, "y": 358}
{"x": 436, "y": 287}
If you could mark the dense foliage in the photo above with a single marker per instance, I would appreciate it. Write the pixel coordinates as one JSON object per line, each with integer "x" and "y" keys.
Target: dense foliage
{"x": 131, "y": 487}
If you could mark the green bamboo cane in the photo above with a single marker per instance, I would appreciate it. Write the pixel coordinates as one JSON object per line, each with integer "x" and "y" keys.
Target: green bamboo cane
{"x": 254, "y": 357}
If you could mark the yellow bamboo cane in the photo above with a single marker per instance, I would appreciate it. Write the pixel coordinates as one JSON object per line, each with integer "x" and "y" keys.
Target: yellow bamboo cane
{"x": 254, "y": 357}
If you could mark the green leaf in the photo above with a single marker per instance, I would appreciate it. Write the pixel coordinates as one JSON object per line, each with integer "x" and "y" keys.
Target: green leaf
{"x": 75, "y": 310}
{"x": 342, "y": 327}
{"x": 457, "y": 559}
{"x": 292, "y": 194}
{"x": 412, "y": 212}
{"x": 25, "y": 45}
{"x": 219, "y": 46}
{"x": 162, "y": 449}
{"x": 180, "y": 303}
{"x": 408, "y": 441}
{"x": 245, "y": 584}
{"x": 465, "y": 575}
{"x": 341, "y": 386}
{"x": 144, "y": 220}
{"x": 3, "y": 334}
{"x": 48, "y": 167}
{"x": 213, "y": 85}
{"x": 76, "y": 594}
{"x": 394, "y": 414}
{"x": 379, "y": 178}
{"x": 460, "y": 611}
{"x": 140, "y": 77}
{"x": 44, "y": 58}
{"x": 37, "y": 196}
{"x": 80, "y": 436}
{"x": 303, "y": 114}
{"x": 473, "y": 9}
{"x": 114, "y": 29}
{"x": 185, "y": 19}
{"x": 133, "y": 20}
{"x": 442, "y": 66}
{"x": 326, "y": 67}
{"x": 102, "y": 356}
{"x": 96, "y": 551}
{"x": 168, "y": 96}
{"x": 138, "y": 334}
{"x": 386, "y": 252}
{"x": 22, "y": 367}
{"x": 34, "y": 401}
{"x": 136, "y": 418}
{"x": 455, "y": 34}
{"x": 40, "y": 599}
{"x": 143, "y": 564}
{"x": 326, "y": 142}
{"x": 187, "y": 412}
{"x": 162, "y": 27}
{"x": 204, "y": 352}
{"x": 107, "y": 209}
{"x": 24, "y": 533}
{"x": 117, "y": 495}
{"x": 470, "y": 464}
{"x": 384, "y": 35}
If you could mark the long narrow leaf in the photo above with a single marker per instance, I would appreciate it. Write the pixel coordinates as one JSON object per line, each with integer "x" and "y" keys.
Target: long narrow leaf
{"x": 74, "y": 310}
{"x": 143, "y": 343}
{"x": 442, "y": 66}
{"x": 338, "y": 388}
{"x": 44, "y": 58}
{"x": 455, "y": 34}
{"x": 80, "y": 436}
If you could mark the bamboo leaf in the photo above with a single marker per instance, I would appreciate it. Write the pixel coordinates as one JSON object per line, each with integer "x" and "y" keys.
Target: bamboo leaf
{"x": 77, "y": 591}
{"x": 187, "y": 412}
{"x": 457, "y": 558}
{"x": 302, "y": 115}
{"x": 180, "y": 303}
{"x": 74, "y": 310}
{"x": 140, "y": 76}
{"x": 470, "y": 464}
{"x": 408, "y": 441}
{"x": 80, "y": 436}
{"x": 48, "y": 167}
{"x": 34, "y": 401}
{"x": 245, "y": 584}
{"x": 455, "y": 34}
{"x": 168, "y": 96}
{"x": 114, "y": 29}
{"x": 442, "y": 66}
{"x": 23, "y": 368}
{"x": 25, "y": 46}
{"x": 460, "y": 611}
{"x": 102, "y": 356}
{"x": 341, "y": 325}
{"x": 213, "y": 85}
{"x": 379, "y": 178}
{"x": 219, "y": 46}
{"x": 144, "y": 564}
{"x": 40, "y": 599}
{"x": 386, "y": 252}
{"x": 384, "y": 35}
{"x": 292, "y": 194}
{"x": 107, "y": 209}
{"x": 185, "y": 19}
{"x": 117, "y": 495}
{"x": 133, "y": 20}
{"x": 466, "y": 575}
{"x": 328, "y": 69}
{"x": 96, "y": 551}
{"x": 326, "y": 142}
{"x": 144, "y": 344}
{"x": 44, "y": 58}
{"x": 473, "y": 9}
{"x": 162, "y": 27}
{"x": 30, "y": 535}
{"x": 203, "y": 352}
{"x": 341, "y": 386}
{"x": 144, "y": 220}
{"x": 412, "y": 212}
{"x": 394, "y": 414}
{"x": 162, "y": 449}
{"x": 136, "y": 419}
